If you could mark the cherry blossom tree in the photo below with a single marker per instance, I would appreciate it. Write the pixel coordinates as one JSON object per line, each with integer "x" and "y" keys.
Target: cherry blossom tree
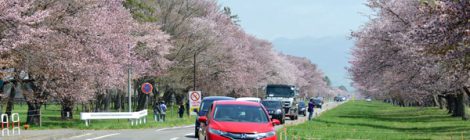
{"x": 414, "y": 52}
{"x": 84, "y": 47}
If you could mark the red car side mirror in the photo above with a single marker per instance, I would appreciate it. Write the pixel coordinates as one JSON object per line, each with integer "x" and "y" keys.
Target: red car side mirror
{"x": 276, "y": 122}
{"x": 202, "y": 119}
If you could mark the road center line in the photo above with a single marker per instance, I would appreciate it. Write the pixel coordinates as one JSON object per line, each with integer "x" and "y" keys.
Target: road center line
{"x": 175, "y": 138}
{"x": 100, "y": 137}
{"x": 82, "y": 135}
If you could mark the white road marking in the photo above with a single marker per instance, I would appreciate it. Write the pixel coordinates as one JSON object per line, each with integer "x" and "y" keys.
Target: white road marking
{"x": 161, "y": 129}
{"x": 189, "y": 134}
{"x": 176, "y": 127}
{"x": 100, "y": 137}
{"x": 175, "y": 138}
{"x": 78, "y": 136}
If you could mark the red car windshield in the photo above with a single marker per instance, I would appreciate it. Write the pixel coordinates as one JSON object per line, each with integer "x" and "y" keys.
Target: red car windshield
{"x": 240, "y": 113}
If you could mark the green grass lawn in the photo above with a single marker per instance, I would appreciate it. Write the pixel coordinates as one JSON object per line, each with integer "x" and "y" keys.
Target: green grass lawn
{"x": 51, "y": 120}
{"x": 379, "y": 121}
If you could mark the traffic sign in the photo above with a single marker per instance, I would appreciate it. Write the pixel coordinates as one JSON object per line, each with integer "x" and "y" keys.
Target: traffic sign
{"x": 195, "y": 96}
{"x": 147, "y": 88}
{"x": 194, "y": 100}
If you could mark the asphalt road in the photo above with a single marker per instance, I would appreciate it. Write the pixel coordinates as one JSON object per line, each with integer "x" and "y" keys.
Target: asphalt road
{"x": 175, "y": 133}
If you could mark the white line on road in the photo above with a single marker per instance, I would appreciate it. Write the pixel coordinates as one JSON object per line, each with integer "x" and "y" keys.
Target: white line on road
{"x": 175, "y": 138}
{"x": 100, "y": 137}
{"x": 161, "y": 129}
{"x": 177, "y": 127}
{"x": 189, "y": 134}
{"x": 78, "y": 136}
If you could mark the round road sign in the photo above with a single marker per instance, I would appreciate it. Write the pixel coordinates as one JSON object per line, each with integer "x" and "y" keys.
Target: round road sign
{"x": 195, "y": 96}
{"x": 147, "y": 88}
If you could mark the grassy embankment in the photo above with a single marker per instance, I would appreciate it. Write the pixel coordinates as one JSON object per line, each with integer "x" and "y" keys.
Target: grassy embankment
{"x": 379, "y": 121}
{"x": 51, "y": 120}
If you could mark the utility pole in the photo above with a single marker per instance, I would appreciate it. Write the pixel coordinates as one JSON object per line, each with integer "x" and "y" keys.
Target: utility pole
{"x": 129, "y": 80}
{"x": 194, "y": 72}
{"x": 129, "y": 88}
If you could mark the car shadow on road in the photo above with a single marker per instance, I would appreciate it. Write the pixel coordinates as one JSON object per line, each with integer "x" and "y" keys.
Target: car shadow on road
{"x": 190, "y": 136}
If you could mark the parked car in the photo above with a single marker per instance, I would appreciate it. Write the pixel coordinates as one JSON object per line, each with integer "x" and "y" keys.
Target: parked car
{"x": 302, "y": 108}
{"x": 252, "y": 99}
{"x": 318, "y": 103}
{"x": 229, "y": 120}
{"x": 339, "y": 98}
{"x": 320, "y": 98}
{"x": 204, "y": 107}
{"x": 275, "y": 109}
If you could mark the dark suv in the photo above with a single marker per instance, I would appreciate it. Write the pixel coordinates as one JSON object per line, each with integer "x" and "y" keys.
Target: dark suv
{"x": 274, "y": 108}
{"x": 205, "y": 104}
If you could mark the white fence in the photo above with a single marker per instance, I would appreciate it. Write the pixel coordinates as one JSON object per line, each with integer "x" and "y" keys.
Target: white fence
{"x": 134, "y": 117}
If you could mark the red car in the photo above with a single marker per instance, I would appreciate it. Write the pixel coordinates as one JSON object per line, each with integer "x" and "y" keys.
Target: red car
{"x": 227, "y": 120}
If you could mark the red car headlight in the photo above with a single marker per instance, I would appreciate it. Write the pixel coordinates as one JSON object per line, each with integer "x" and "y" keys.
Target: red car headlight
{"x": 262, "y": 135}
{"x": 217, "y": 132}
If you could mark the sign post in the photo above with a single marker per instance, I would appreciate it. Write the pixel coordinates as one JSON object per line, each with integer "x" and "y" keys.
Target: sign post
{"x": 194, "y": 98}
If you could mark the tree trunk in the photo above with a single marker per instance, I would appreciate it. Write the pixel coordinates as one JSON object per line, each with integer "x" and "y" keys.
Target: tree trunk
{"x": 464, "y": 103}
{"x": 457, "y": 105}
{"x": 99, "y": 102}
{"x": 106, "y": 101}
{"x": 450, "y": 103}
{"x": 440, "y": 101}
{"x": 33, "y": 114}
{"x": 11, "y": 92}
{"x": 466, "y": 91}
{"x": 141, "y": 101}
{"x": 117, "y": 100}
{"x": 67, "y": 109}
{"x": 122, "y": 100}
{"x": 435, "y": 99}
{"x": 34, "y": 99}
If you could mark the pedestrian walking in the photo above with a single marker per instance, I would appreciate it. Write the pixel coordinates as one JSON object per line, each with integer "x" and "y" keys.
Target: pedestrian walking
{"x": 310, "y": 109}
{"x": 163, "y": 110}
{"x": 181, "y": 110}
{"x": 156, "y": 112}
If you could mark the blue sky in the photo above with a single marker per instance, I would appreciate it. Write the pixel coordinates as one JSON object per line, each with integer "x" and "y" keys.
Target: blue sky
{"x": 316, "y": 29}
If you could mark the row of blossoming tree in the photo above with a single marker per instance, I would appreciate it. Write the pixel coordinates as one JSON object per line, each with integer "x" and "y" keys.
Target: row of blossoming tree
{"x": 79, "y": 52}
{"x": 415, "y": 53}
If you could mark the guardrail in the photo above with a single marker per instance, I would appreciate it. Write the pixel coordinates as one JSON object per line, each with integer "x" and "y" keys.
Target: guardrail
{"x": 134, "y": 117}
